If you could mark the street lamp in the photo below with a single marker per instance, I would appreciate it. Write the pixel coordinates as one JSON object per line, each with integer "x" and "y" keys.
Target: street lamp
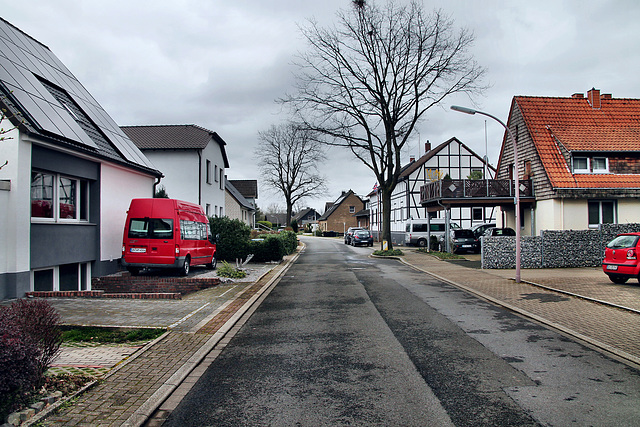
{"x": 517, "y": 179}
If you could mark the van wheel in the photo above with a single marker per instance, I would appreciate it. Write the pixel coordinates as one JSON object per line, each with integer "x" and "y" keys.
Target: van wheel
{"x": 214, "y": 262}
{"x": 422, "y": 243}
{"x": 184, "y": 271}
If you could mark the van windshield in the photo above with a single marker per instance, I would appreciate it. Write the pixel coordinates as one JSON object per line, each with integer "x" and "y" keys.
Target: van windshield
{"x": 151, "y": 228}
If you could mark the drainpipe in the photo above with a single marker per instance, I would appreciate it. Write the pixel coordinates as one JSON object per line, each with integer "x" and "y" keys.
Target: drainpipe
{"x": 155, "y": 185}
{"x": 200, "y": 177}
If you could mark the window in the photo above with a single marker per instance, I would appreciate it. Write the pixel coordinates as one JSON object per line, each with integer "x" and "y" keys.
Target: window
{"x": 208, "y": 209}
{"x": 150, "y": 228}
{"x": 192, "y": 230}
{"x": 527, "y": 170}
{"x": 476, "y": 214}
{"x": 601, "y": 212}
{"x": 66, "y": 277}
{"x": 215, "y": 175}
{"x": 221, "y": 180}
{"x": 352, "y": 209}
{"x": 208, "y": 172}
{"x": 600, "y": 165}
{"x": 59, "y": 198}
{"x": 590, "y": 165}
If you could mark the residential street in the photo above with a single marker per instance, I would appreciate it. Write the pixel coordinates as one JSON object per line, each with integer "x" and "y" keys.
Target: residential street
{"x": 344, "y": 339}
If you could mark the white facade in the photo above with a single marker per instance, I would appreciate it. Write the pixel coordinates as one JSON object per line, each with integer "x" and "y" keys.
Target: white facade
{"x": 450, "y": 158}
{"x": 119, "y": 185}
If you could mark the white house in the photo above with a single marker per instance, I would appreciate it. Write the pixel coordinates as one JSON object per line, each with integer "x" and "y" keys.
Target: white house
{"x": 452, "y": 158}
{"x": 237, "y": 207}
{"x": 69, "y": 174}
{"x": 192, "y": 158}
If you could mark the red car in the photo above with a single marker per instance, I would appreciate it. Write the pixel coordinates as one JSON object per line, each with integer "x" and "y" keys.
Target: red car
{"x": 621, "y": 258}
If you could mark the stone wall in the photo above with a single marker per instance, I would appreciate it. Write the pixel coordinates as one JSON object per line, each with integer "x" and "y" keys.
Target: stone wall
{"x": 553, "y": 248}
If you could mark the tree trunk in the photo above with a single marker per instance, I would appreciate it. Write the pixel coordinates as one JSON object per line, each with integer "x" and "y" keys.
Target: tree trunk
{"x": 386, "y": 219}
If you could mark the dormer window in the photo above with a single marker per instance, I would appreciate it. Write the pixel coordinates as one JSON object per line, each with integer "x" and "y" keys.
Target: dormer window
{"x": 581, "y": 165}
{"x": 590, "y": 165}
{"x": 600, "y": 165}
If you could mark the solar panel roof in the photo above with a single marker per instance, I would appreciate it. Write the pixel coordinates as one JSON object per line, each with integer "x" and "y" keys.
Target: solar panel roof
{"x": 55, "y": 102}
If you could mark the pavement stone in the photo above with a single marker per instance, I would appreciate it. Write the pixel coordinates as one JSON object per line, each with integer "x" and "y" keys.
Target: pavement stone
{"x": 131, "y": 391}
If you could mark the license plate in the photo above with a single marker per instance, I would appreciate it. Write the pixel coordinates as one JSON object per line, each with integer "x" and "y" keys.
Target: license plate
{"x": 138, "y": 250}
{"x": 466, "y": 246}
{"x": 612, "y": 267}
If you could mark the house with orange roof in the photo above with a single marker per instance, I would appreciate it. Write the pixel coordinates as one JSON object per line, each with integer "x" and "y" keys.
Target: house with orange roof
{"x": 582, "y": 155}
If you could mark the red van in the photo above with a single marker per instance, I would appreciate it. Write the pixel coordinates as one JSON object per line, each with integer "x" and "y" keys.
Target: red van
{"x": 166, "y": 233}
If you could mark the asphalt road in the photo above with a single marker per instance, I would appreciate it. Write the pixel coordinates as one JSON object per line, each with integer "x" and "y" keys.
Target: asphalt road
{"x": 344, "y": 339}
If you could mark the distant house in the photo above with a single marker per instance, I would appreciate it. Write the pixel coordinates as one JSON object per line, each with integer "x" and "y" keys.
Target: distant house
{"x": 237, "y": 207}
{"x": 277, "y": 219}
{"x": 341, "y": 215}
{"x": 69, "y": 178}
{"x": 451, "y": 159}
{"x": 192, "y": 158}
{"x": 583, "y": 157}
{"x": 248, "y": 188}
{"x": 307, "y": 216}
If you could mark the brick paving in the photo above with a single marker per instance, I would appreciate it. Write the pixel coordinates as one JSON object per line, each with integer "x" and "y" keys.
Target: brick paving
{"x": 609, "y": 328}
{"x": 128, "y": 393}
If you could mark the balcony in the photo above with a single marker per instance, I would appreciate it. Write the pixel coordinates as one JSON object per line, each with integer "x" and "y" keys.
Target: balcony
{"x": 470, "y": 192}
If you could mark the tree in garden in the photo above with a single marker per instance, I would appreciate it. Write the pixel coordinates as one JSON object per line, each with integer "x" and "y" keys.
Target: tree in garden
{"x": 288, "y": 159}
{"x": 367, "y": 82}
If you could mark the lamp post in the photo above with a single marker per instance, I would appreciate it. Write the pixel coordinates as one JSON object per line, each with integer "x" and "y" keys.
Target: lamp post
{"x": 517, "y": 179}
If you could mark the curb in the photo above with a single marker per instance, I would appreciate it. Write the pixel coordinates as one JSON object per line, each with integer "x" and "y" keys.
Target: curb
{"x": 614, "y": 351}
{"x": 146, "y": 410}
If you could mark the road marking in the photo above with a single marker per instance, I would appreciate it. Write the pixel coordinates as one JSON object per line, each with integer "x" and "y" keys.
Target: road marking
{"x": 173, "y": 325}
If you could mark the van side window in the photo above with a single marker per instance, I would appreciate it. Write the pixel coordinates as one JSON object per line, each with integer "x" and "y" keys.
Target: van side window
{"x": 151, "y": 228}
{"x": 419, "y": 228}
{"x": 437, "y": 227}
{"x": 192, "y": 230}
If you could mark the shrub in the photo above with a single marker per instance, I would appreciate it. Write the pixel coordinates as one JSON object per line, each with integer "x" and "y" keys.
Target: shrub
{"x": 29, "y": 340}
{"x": 319, "y": 233}
{"x": 393, "y": 252}
{"x": 269, "y": 249}
{"x": 290, "y": 241}
{"x": 268, "y": 224}
{"x": 294, "y": 225}
{"x": 233, "y": 237}
{"x": 226, "y": 270}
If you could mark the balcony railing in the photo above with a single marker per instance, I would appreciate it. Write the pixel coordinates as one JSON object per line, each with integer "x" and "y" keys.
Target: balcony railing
{"x": 473, "y": 188}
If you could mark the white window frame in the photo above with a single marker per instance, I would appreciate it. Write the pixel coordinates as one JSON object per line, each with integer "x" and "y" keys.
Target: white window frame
{"x": 56, "y": 277}
{"x": 600, "y": 215}
{"x": 606, "y": 165}
{"x": 80, "y": 199}
{"x": 208, "y": 171}
{"x": 576, "y": 170}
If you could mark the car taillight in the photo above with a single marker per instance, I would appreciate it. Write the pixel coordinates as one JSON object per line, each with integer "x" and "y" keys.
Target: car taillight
{"x": 123, "y": 249}
{"x": 631, "y": 254}
{"x": 177, "y": 249}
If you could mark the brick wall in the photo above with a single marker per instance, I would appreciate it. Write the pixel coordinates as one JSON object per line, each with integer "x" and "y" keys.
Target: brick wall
{"x": 148, "y": 284}
{"x": 553, "y": 249}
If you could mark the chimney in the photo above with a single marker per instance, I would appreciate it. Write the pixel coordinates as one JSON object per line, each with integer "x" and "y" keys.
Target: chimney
{"x": 594, "y": 98}
{"x": 577, "y": 96}
{"x": 427, "y": 147}
{"x": 412, "y": 158}
{"x": 605, "y": 96}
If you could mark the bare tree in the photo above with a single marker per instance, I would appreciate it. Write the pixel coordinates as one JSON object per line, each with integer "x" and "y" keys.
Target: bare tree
{"x": 365, "y": 83}
{"x": 288, "y": 158}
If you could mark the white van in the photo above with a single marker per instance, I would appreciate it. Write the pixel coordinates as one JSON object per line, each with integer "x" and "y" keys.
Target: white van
{"x": 416, "y": 232}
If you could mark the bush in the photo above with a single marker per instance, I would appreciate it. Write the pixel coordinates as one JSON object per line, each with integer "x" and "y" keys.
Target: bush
{"x": 290, "y": 241}
{"x": 268, "y": 224}
{"x": 294, "y": 225}
{"x": 30, "y": 338}
{"x": 226, "y": 270}
{"x": 269, "y": 249}
{"x": 233, "y": 237}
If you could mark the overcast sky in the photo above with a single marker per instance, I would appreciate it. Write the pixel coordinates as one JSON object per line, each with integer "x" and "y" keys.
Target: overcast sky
{"x": 221, "y": 64}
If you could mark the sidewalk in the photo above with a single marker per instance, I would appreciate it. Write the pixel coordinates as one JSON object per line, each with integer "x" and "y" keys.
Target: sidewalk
{"x": 569, "y": 307}
{"x": 132, "y": 391}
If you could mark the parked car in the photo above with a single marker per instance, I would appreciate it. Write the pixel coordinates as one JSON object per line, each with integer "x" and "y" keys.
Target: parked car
{"x": 479, "y": 229}
{"x": 416, "y": 230}
{"x": 495, "y": 231}
{"x": 621, "y": 258}
{"x": 362, "y": 237}
{"x": 460, "y": 240}
{"x": 349, "y": 234}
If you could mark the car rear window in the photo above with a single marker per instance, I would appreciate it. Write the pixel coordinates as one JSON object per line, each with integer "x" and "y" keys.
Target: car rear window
{"x": 621, "y": 242}
{"x": 463, "y": 233}
{"x": 362, "y": 233}
{"x": 151, "y": 228}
